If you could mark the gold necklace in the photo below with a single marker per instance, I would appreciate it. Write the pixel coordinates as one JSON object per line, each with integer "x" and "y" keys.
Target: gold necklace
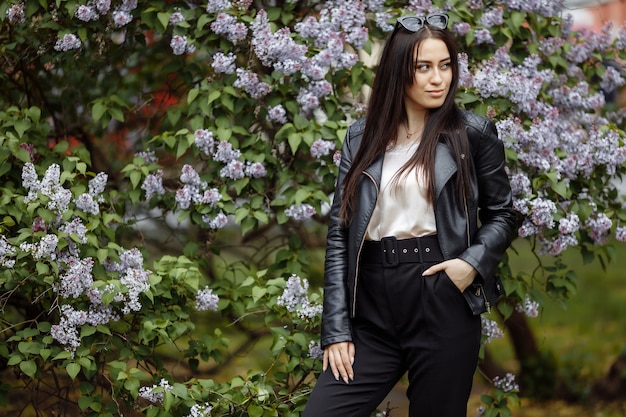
{"x": 409, "y": 134}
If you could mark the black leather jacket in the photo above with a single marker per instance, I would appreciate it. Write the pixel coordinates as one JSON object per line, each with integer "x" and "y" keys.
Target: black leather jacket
{"x": 458, "y": 230}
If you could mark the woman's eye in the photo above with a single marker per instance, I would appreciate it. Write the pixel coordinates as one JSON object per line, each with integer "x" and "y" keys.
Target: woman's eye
{"x": 422, "y": 68}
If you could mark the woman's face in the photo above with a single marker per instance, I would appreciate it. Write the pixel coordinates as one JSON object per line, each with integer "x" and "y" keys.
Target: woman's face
{"x": 433, "y": 76}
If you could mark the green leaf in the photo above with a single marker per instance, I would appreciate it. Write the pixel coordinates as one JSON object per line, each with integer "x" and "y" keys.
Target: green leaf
{"x": 255, "y": 410}
{"x": 294, "y": 140}
{"x": 72, "y": 369}
{"x": 98, "y": 110}
{"x": 29, "y": 367}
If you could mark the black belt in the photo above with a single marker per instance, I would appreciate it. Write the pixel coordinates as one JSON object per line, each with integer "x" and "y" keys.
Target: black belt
{"x": 390, "y": 251}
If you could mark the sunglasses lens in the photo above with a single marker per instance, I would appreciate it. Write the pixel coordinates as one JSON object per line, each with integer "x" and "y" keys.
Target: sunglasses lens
{"x": 438, "y": 20}
{"x": 411, "y": 23}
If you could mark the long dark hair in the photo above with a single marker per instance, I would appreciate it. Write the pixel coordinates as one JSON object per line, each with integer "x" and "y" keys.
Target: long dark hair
{"x": 386, "y": 112}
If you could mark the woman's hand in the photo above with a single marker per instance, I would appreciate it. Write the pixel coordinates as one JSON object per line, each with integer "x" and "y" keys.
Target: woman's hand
{"x": 340, "y": 357}
{"x": 461, "y": 273}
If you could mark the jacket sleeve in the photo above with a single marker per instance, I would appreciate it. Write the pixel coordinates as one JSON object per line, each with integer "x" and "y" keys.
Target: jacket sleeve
{"x": 335, "y": 315}
{"x": 497, "y": 217}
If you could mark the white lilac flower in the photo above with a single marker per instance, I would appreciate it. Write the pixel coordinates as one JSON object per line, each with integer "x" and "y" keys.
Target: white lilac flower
{"x": 178, "y": 44}
{"x": 249, "y": 81}
{"x": 321, "y": 148}
{"x": 6, "y": 252}
{"x": 122, "y": 17}
{"x": 255, "y": 170}
{"x": 337, "y": 157}
{"x": 569, "y": 224}
{"x": 86, "y": 203}
{"x": 86, "y": 13}
{"x": 206, "y": 300}
{"x": 68, "y": 42}
{"x": 506, "y": 384}
{"x": 16, "y": 13}
{"x": 490, "y": 329}
{"x": 211, "y": 197}
{"x": 190, "y": 176}
{"x": 153, "y": 184}
{"x": 76, "y": 227}
{"x": 148, "y": 156}
{"x": 315, "y": 350}
{"x": 225, "y": 24}
{"x": 277, "y": 114}
{"x": 295, "y": 298}
{"x": 224, "y": 63}
{"x": 218, "y": 222}
{"x": 529, "y": 307}
{"x": 176, "y": 17}
{"x": 233, "y": 170}
{"x": 225, "y": 152}
{"x": 300, "y": 212}
{"x": 77, "y": 279}
{"x": 103, "y": 6}
{"x": 203, "y": 139}
{"x": 620, "y": 235}
{"x": 216, "y": 6}
{"x": 66, "y": 331}
{"x": 97, "y": 185}
{"x": 155, "y": 393}
{"x": 200, "y": 410}
{"x": 599, "y": 226}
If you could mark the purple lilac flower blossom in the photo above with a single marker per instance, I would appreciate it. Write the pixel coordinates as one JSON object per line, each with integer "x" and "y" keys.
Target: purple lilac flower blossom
{"x": 506, "y": 384}
{"x": 225, "y": 152}
{"x": 76, "y": 277}
{"x": 203, "y": 139}
{"x": 86, "y": 203}
{"x": 277, "y": 50}
{"x": 337, "y": 157}
{"x": 321, "y": 148}
{"x": 224, "y": 63}
{"x": 295, "y": 298}
{"x": 76, "y": 227}
{"x": 148, "y": 156}
{"x": 227, "y": 25}
{"x": 200, "y": 410}
{"x": 249, "y": 81}
{"x": 569, "y": 224}
{"x": 620, "y": 235}
{"x": 277, "y": 114}
{"x": 546, "y": 8}
{"x": 315, "y": 350}
{"x": 599, "y": 226}
{"x": 155, "y": 393}
{"x": 176, "y": 18}
{"x": 6, "y": 252}
{"x": 103, "y": 6}
{"x": 206, "y": 300}
{"x": 490, "y": 329}
{"x": 218, "y": 222}
{"x": 16, "y": 13}
{"x": 255, "y": 170}
{"x": 482, "y": 36}
{"x": 529, "y": 307}
{"x": 461, "y": 28}
{"x": 211, "y": 197}
{"x": 86, "y": 13}
{"x": 233, "y": 170}
{"x": 216, "y": 6}
{"x": 493, "y": 17}
{"x": 153, "y": 184}
{"x": 68, "y": 42}
{"x": 300, "y": 212}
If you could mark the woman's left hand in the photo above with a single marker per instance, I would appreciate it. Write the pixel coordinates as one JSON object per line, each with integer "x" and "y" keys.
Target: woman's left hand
{"x": 461, "y": 273}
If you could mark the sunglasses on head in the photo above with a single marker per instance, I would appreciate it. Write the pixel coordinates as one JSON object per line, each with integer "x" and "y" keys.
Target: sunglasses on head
{"x": 414, "y": 23}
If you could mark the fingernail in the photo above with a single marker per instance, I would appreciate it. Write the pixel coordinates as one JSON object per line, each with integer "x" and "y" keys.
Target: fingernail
{"x": 346, "y": 380}
{"x": 336, "y": 377}
{"x": 352, "y": 360}
{"x": 351, "y": 377}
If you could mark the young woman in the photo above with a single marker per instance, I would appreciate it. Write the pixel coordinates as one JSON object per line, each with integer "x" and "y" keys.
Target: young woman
{"x": 420, "y": 220}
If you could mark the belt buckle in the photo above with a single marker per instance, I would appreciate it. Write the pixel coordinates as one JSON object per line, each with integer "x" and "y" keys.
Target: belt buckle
{"x": 390, "y": 251}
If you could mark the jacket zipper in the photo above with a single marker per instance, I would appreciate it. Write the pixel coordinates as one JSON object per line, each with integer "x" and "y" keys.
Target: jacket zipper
{"x": 479, "y": 290}
{"x": 358, "y": 256}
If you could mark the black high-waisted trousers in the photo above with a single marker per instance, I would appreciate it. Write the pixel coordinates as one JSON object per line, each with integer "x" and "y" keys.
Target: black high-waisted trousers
{"x": 405, "y": 322}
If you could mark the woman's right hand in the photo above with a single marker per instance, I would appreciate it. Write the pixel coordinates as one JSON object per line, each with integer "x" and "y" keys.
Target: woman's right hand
{"x": 340, "y": 357}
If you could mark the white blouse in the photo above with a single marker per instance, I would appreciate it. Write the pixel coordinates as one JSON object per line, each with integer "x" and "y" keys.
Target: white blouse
{"x": 402, "y": 209}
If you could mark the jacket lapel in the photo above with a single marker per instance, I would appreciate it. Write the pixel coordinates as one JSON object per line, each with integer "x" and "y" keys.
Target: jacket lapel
{"x": 445, "y": 167}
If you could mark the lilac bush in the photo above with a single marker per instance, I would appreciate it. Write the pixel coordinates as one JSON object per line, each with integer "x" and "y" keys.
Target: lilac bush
{"x": 201, "y": 221}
